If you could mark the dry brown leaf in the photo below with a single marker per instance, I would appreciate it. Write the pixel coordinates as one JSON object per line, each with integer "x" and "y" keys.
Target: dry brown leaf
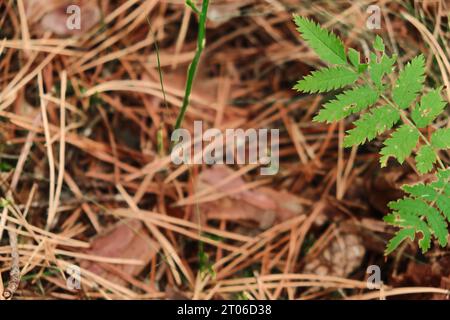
{"x": 128, "y": 239}
{"x": 262, "y": 205}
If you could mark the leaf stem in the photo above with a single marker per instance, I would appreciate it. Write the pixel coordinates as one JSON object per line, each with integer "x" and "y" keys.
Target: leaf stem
{"x": 193, "y": 66}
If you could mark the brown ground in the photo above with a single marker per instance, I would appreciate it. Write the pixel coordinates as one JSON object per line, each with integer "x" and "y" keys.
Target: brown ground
{"x": 99, "y": 191}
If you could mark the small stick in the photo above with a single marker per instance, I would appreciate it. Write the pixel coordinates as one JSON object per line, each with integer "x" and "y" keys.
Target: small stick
{"x": 14, "y": 274}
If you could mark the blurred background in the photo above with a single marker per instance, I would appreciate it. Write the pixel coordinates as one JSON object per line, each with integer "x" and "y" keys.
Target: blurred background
{"x": 99, "y": 209}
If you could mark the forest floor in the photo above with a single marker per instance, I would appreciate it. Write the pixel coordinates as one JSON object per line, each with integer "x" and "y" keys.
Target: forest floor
{"x": 88, "y": 186}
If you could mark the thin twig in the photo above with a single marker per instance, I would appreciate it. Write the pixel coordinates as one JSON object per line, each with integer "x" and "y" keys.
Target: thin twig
{"x": 14, "y": 274}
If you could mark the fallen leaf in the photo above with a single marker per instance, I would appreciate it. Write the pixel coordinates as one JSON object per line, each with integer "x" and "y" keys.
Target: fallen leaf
{"x": 262, "y": 205}
{"x": 128, "y": 239}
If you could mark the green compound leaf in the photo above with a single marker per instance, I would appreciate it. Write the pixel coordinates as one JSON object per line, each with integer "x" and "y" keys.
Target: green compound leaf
{"x": 410, "y": 211}
{"x": 409, "y": 221}
{"x": 400, "y": 144}
{"x": 362, "y": 67}
{"x": 377, "y": 70}
{"x": 326, "y": 44}
{"x": 425, "y": 242}
{"x": 421, "y": 227}
{"x": 426, "y": 157}
{"x": 426, "y": 192}
{"x": 378, "y": 44}
{"x": 326, "y": 79}
{"x": 431, "y": 105}
{"x": 437, "y": 225}
{"x": 371, "y": 124}
{"x": 443, "y": 175}
{"x": 426, "y": 208}
{"x": 399, "y": 237}
{"x": 347, "y": 103}
{"x": 443, "y": 203}
{"x": 409, "y": 206}
{"x": 441, "y": 138}
{"x": 354, "y": 57}
{"x": 409, "y": 82}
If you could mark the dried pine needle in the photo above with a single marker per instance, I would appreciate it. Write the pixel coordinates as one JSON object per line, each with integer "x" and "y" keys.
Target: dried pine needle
{"x": 14, "y": 274}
